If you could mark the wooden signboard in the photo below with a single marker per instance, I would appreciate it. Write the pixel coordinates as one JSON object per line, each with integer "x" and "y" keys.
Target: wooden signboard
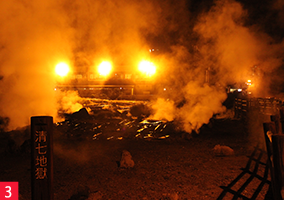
{"x": 42, "y": 157}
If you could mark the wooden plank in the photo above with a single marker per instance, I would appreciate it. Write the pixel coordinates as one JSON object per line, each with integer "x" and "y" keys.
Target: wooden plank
{"x": 42, "y": 157}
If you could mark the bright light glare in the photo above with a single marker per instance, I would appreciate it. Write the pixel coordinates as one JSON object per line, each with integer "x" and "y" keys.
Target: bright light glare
{"x": 62, "y": 69}
{"x": 104, "y": 68}
{"x": 147, "y": 68}
{"x": 249, "y": 82}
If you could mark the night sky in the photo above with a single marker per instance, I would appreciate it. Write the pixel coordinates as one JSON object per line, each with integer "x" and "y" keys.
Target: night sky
{"x": 264, "y": 15}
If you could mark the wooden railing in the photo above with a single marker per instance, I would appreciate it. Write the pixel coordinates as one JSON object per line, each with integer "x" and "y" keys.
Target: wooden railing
{"x": 274, "y": 139}
{"x": 267, "y": 106}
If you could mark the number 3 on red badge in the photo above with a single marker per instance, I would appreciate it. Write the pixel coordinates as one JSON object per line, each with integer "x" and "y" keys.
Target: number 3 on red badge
{"x": 9, "y": 190}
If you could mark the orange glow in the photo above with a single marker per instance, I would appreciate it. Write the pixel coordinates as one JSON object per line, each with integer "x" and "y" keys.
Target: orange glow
{"x": 249, "y": 82}
{"x": 104, "y": 68}
{"x": 147, "y": 68}
{"x": 62, "y": 69}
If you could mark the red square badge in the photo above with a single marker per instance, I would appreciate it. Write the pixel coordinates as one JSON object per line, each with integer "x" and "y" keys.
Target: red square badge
{"x": 9, "y": 190}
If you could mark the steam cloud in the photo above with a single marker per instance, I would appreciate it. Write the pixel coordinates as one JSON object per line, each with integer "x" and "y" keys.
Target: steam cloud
{"x": 31, "y": 41}
{"x": 36, "y": 35}
{"x": 229, "y": 49}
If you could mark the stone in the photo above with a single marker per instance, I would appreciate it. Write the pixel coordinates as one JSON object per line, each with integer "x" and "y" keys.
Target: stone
{"x": 220, "y": 150}
{"x": 95, "y": 196}
{"x": 81, "y": 114}
{"x": 126, "y": 160}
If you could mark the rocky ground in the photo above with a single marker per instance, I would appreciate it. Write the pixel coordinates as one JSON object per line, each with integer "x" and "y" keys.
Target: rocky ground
{"x": 168, "y": 164}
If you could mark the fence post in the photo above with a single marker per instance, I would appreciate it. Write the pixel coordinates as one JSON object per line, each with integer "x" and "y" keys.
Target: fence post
{"x": 276, "y": 120}
{"x": 281, "y": 112}
{"x": 278, "y": 161}
{"x": 270, "y": 126}
{"x": 42, "y": 157}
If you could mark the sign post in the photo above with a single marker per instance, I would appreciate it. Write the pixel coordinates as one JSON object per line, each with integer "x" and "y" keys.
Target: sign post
{"x": 42, "y": 157}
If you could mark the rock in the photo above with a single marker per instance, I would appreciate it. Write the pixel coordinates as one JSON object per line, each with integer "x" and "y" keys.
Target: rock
{"x": 220, "y": 150}
{"x": 81, "y": 114}
{"x": 171, "y": 196}
{"x": 126, "y": 160}
{"x": 140, "y": 110}
{"x": 95, "y": 196}
{"x": 82, "y": 193}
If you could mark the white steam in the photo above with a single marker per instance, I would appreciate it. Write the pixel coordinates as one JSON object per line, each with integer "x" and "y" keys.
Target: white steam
{"x": 225, "y": 48}
{"x": 36, "y": 35}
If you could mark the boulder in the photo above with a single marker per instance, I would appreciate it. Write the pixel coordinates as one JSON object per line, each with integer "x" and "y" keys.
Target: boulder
{"x": 140, "y": 110}
{"x": 82, "y": 193}
{"x": 126, "y": 160}
{"x": 220, "y": 150}
{"x": 95, "y": 196}
{"x": 81, "y": 114}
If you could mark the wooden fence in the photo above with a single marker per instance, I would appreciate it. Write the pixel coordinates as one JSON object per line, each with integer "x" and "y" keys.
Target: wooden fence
{"x": 274, "y": 152}
{"x": 267, "y": 106}
{"x": 274, "y": 139}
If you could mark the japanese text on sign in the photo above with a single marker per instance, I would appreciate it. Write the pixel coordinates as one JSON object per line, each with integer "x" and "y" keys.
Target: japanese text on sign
{"x": 41, "y": 159}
